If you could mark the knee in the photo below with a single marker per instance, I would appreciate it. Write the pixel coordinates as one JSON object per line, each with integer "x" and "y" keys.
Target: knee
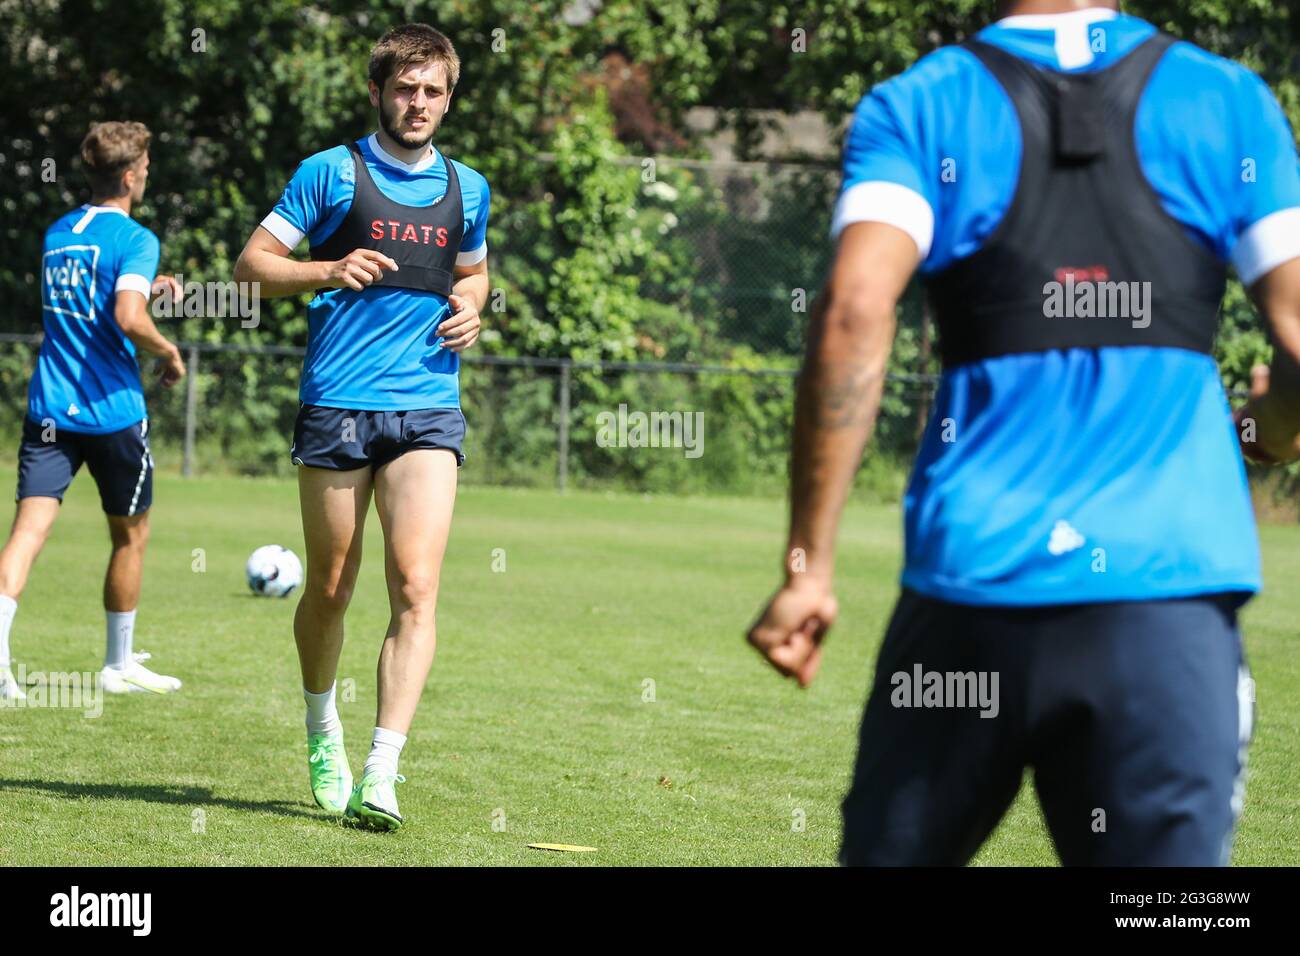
{"x": 30, "y": 537}
{"x": 133, "y": 535}
{"x": 331, "y": 593}
{"x": 418, "y": 591}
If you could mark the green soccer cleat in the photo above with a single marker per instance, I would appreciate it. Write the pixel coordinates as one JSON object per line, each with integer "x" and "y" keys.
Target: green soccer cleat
{"x": 374, "y": 802}
{"x": 331, "y": 777}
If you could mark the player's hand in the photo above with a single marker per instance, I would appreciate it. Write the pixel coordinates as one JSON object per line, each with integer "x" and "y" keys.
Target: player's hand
{"x": 170, "y": 368}
{"x": 1259, "y": 382}
{"x": 358, "y": 269}
{"x": 1259, "y": 378}
{"x": 168, "y": 286}
{"x": 790, "y": 630}
{"x": 460, "y": 329}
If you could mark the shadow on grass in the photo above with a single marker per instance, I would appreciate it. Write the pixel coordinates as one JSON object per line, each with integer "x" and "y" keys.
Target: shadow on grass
{"x": 195, "y": 796}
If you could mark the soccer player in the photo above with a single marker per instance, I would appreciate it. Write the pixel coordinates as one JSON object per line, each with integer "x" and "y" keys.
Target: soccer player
{"x": 1079, "y": 537}
{"x": 397, "y": 233}
{"x": 86, "y": 404}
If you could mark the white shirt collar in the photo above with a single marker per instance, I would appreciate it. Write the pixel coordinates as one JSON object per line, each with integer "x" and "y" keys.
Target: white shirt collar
{"x": 1071, "y": 32}
{"x": 1051, "y": 21}
{"x": 116, "y": 209}
{"x": 383, "y": 156}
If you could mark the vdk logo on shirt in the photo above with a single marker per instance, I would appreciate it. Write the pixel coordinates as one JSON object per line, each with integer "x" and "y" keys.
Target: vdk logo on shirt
{"x": 71, "y": 273}
{"x": 66, "y": 274}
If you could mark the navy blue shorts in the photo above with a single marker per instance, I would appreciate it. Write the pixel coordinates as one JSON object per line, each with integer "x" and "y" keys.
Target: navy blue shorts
{"x": 119, "y": 462}
{"x": 1134, "y": 718}
{"x": 345, "y": 439}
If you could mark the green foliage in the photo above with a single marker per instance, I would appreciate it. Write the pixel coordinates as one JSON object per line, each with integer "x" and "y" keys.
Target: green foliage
{"x": 594, "y": 254}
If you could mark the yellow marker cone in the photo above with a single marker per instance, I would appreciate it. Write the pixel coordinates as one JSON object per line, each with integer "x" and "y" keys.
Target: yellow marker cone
{"x": 562, "y": 847}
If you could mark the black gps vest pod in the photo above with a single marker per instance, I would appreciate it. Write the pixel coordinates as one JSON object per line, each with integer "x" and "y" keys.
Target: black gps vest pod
{"x": 422, "y": 240}
{"x": 1083, "y": 212}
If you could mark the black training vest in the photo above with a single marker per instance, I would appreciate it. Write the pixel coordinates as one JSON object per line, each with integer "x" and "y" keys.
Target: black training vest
{"x": 422, "y": 240}
{"x": 1082, "y": 211}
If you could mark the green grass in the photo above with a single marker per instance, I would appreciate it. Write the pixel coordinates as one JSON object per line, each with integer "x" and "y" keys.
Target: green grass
{"x": 534, "y": 709}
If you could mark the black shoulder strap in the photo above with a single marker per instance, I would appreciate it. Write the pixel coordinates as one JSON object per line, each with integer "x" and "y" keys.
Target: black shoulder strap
{"x": 1074, "y": 106}
{"x": 361, "y": 181}
{"x": 453, "y": 179}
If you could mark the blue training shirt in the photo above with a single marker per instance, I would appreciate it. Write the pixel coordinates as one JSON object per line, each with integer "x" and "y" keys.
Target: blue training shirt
{"x": 377, "y": 349}
{"x": 1077, "y": 475}
{"x": 87, "y": 378}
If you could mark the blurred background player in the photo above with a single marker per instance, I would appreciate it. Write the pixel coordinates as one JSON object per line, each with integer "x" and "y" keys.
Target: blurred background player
{"x": 85, "y": 403}
{"x": 399, "y": 263}
{"x": 1078, "y": 521}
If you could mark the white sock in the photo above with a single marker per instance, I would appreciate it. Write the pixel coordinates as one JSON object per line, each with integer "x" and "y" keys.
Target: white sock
{"x": 8, "y": 608}
{"x": 322, "y": 715}
{"x": 121, "y": 634}
{"x": 385, "y": 750}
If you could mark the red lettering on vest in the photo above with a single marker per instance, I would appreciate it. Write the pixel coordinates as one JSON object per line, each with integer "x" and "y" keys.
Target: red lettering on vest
{"x": 410, "y": 231}
{"x": 1083, "y": 274}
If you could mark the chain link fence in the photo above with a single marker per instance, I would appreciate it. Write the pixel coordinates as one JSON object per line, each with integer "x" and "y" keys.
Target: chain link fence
{"x": 534, "y": 422}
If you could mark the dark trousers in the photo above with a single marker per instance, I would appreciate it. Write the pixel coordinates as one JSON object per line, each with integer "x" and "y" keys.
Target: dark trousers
{"x": 1134, "y": 717}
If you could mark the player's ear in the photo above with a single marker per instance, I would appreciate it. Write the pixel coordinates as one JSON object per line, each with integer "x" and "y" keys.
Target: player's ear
{"x": 374, "y": 93}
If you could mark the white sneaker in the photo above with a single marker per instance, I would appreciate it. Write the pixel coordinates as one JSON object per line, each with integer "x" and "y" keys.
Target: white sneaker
{"x": 136, "y": 678}
{"x": 9, "y": 689}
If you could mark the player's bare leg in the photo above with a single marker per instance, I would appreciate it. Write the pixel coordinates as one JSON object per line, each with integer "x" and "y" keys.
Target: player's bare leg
{"x": 124, "y": 671}
{"x": 125, "y": 567}
{"x": 33, "y": 520}
{"x": 334, "y": 505}
{"x": 414, "y": 496}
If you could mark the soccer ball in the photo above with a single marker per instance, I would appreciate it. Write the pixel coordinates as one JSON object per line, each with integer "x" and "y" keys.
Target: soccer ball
{"x": 273, "y": 571}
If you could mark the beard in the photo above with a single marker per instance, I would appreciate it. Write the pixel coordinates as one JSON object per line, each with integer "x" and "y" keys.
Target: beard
{"x": 409, "y": 139}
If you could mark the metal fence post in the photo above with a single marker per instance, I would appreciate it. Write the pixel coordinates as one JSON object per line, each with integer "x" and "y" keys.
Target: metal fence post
{"x": 191, "y": 410}
{"x": 562, "y": 469}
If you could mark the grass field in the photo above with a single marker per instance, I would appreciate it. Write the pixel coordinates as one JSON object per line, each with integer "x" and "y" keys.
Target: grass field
{"x": 534, "y": 716}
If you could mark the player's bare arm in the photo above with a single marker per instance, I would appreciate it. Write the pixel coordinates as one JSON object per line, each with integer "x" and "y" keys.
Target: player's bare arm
{"x": 132, "y": 316}
{"x": 467, "y": 300}
{"x": 850, "y": 336}
{"x": 1275, "y": 392}
{"x": 267, "y": 261}
{"x": 166, "y": 285}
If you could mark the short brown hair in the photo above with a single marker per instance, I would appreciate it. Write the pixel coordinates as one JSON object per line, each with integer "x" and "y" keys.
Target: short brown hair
{"x": 108, "y": 150}
{"x": 412, "y": 43}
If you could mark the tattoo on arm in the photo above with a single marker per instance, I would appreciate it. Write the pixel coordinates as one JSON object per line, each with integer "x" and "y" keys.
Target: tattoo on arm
{"x": 838, "y": 395}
